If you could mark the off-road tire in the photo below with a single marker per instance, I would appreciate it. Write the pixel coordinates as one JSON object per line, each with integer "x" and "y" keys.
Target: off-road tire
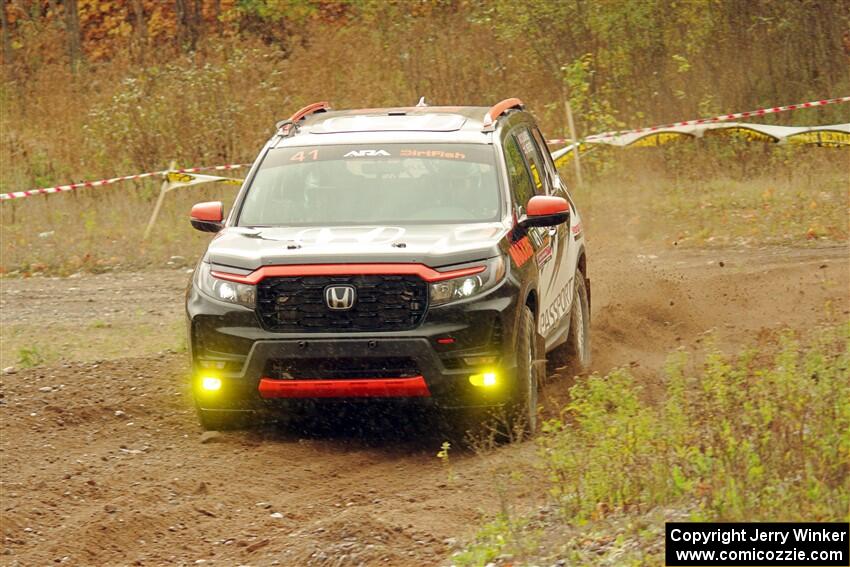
{"x": 578, "y": 342}
{"x": 522, "y": 408}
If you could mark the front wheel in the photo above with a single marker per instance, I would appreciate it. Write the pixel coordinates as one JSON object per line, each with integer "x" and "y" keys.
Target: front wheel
{"x": 522, "y": 408}
{"x": 578, "y": 343}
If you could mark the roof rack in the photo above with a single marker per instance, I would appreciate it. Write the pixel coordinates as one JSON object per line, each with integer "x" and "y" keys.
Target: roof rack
{"x": 499, "y": 109}
{"x": 285, "y": 127}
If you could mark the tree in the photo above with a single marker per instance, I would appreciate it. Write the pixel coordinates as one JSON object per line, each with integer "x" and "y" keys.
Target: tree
{"x": 140, "y": 28}
{"x": 188, "y": 22}
{"x": 72, "y": 32}
{"x": 7, "y": 41}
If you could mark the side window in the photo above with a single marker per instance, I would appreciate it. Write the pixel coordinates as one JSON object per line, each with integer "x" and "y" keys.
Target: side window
{"x": 521, "y": 186}
{"x": 551, "y": 170}
{"x": 534, "y": 160}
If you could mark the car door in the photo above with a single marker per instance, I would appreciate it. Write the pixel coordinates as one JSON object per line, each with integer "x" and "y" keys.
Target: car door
{"x": 524, "y": 246}
{"x": 543, "y": 242}
{"x": 555, "y": 256}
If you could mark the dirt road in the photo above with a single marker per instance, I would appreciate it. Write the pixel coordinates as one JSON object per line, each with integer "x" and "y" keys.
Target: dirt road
{"x": 103, "y": 463}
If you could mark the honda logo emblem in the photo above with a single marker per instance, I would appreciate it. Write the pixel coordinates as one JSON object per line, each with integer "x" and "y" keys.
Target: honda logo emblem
{"x": 340, "y": 297}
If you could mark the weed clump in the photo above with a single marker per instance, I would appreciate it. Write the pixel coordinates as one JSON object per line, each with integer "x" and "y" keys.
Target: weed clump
{"x": 750, "y": 437}
{"x": 760, "y": 436}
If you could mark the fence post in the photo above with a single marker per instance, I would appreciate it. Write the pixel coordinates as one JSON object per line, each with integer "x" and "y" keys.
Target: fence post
{"x": 162, "y": 191}
{"x": 572, "y": 126}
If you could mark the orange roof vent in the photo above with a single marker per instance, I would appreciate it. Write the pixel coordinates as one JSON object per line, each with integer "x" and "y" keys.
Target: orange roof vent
{"x": 287, "y": 127}
{"x": 310, "y": 109}
{"x": 499, "y": 109}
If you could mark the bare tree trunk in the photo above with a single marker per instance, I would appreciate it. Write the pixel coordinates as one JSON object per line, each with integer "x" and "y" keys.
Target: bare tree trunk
{"x": 198, "y": 12}
{"x": 141, "y": 28}
{"x": 180, "y": 8}
{"x": 188, "y": 22}
{"x": 7, "y": 42}
{"x": 197, "y": 19}
{"x": 72, "y": 29}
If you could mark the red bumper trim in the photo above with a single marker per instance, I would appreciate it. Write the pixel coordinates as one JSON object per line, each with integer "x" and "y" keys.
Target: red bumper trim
{"x": 426, "y": 273}
{"x": 339, "y": 388}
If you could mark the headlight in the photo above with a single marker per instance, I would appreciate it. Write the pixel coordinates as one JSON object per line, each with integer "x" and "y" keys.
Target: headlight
{"x": 223, "y": 290}
{"x": 469, "y": 286}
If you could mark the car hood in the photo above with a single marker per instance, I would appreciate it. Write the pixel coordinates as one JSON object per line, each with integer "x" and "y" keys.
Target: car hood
{"x": 433, "y": 245}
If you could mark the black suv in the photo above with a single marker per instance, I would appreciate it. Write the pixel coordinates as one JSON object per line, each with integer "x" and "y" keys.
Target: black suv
{"x": 431, "y": 254}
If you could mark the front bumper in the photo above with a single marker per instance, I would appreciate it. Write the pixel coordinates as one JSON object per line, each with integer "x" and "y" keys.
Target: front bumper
{"x": 229, "y": 343}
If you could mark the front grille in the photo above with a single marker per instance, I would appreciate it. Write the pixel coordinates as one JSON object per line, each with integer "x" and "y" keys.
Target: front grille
{"x": 343, "y": 368}
{"x": 383, "y": 303}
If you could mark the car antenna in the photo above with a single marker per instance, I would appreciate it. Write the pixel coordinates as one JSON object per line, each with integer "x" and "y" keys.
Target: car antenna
{"x": 421, "y": 102}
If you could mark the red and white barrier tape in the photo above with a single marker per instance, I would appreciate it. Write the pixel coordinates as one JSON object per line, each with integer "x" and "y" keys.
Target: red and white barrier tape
{"x": 720, "y": 118}
{"x": 713, "y": 119}
{"x": 72, "y": 186}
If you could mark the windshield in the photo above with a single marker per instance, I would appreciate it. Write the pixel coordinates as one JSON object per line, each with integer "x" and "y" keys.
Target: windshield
{"x": 375, "y": 183}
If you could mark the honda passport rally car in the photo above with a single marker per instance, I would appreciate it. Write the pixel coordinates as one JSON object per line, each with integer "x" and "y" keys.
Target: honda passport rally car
{"x": 426, "y": 253}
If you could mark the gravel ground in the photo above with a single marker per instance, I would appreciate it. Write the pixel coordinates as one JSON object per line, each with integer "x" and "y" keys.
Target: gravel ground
{"x": 104, "y": 464}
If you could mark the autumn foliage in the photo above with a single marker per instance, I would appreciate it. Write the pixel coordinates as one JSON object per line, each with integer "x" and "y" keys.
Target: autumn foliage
{"x": 98, "y": 88}
{"x": 72, "y": 67}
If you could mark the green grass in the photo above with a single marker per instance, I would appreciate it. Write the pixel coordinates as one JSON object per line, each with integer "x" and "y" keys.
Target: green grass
{"x": 678, "y": 197}
{"x": 95, "y": 341}
{"x": 102, "y": 229}
{"x": 502, "y": 536}
{"x": 30, "y": 356}
{"x": 759, "y": 436}
{"x": 647, "y": 196}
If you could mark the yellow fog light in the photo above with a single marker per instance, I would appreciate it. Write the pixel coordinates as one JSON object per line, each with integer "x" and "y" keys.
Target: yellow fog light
{"x": 485, "y": 379}
{"x": 210, "y": 384}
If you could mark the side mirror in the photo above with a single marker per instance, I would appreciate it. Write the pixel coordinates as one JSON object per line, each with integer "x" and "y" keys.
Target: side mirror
{"x": 545, "y": 211}
{"x": 208, "y": 217}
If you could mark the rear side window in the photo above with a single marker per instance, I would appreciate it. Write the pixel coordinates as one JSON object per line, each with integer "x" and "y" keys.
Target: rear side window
{"x": 534, "y": 160}
{"x": 521, "y": 185}
{"x": 552, "y": 171}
